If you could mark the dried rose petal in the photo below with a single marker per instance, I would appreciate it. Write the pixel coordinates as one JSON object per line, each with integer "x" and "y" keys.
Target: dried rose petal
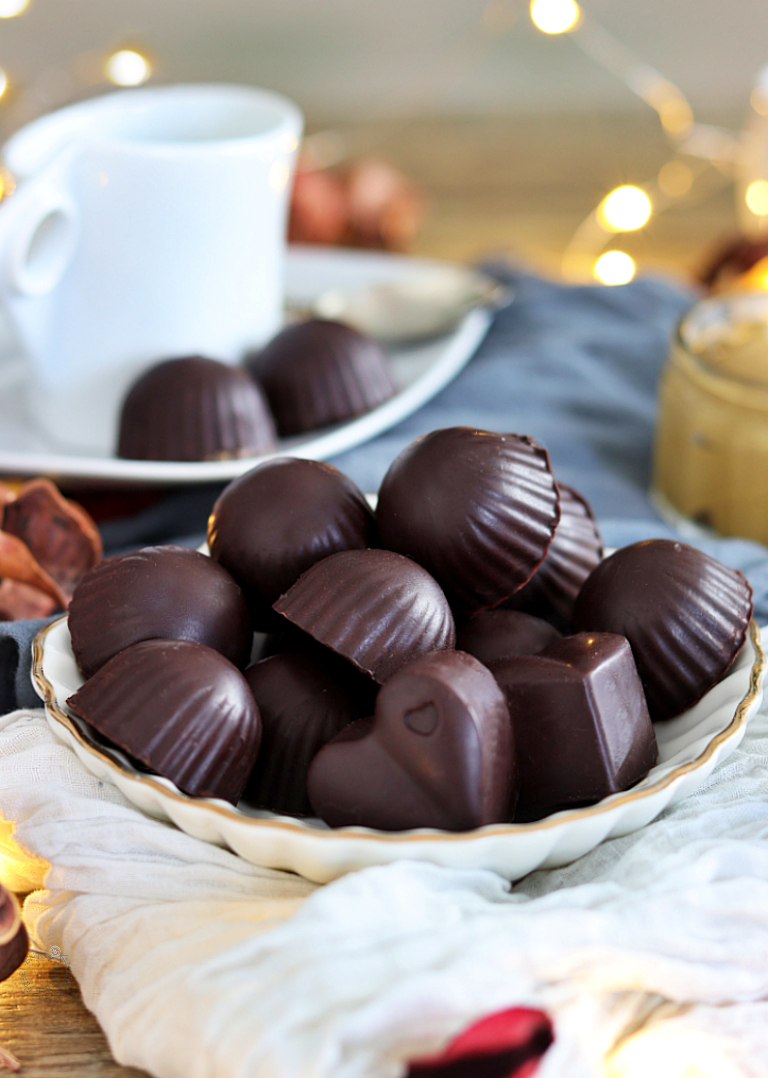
{"x": 7, "y": 494}
{"x": 8, "y": 1061}
{"x": 318, "y": 208}
{"x": 14, "y": 942}
{"x": 384, "y": 208}
{"x": 22, "y": 602}
{"x": 18, "y": 563}
{"x": 61, "y": 536}
{"x": 508, "y": 1044}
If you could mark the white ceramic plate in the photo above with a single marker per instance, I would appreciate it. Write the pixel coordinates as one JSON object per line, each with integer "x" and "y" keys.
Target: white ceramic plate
{"x": 689, "y": 748}
{"x": 420, "y": 371}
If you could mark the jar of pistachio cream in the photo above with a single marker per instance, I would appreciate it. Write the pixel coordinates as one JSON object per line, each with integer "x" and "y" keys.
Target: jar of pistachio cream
{"x": 711, "y": 452}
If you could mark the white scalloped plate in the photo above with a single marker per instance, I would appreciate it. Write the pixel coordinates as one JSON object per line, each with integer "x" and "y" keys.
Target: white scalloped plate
{"x": 420, "y": 371}
{"x": 690, "y": 746}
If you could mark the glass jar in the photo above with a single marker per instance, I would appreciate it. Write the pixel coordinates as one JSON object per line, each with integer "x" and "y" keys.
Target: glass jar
{"x": 711, "y": 452}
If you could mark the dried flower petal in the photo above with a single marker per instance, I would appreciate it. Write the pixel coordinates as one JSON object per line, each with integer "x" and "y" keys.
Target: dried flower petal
{"x": 22, "y": 602}
{"x": 61, "y": 536}
{"x": 14, "y": 942}
{"x": 507, "y": 1044}
{"x": 18, "y": 563}
{"x": 8, "y": 1061}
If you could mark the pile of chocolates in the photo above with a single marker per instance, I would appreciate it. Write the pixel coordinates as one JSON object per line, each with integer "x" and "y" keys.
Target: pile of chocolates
{"x": 464, "y": 656}
{"x": 310, "y": 375}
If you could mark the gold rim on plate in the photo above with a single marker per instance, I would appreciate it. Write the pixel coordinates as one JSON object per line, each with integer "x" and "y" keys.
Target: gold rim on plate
{"x": 737, "y": 724}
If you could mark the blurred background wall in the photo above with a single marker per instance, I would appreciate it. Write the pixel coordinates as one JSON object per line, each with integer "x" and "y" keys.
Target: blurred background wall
{"x": 514, "y": 135}
{"x": 346, "y": 58}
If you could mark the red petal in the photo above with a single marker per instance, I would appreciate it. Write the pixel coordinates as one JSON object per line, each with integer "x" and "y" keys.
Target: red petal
{"x": 507, "y": 1044}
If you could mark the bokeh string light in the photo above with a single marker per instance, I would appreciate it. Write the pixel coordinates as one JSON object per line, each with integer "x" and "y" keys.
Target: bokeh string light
{"x": 697, "y": 150}
{"x": 703, "y": 159}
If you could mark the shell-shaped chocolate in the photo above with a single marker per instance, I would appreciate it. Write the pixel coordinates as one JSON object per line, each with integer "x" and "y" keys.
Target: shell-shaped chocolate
{"x": 685, "y": 615}
{"x": 374, "y": 607}
{"x": 575, "y": 550}
{"x": 194, "y": 408}
{"x": 165, "y": 592}
{"x": 478, "y": 510}
{"x": 438, "y": 753}
{"x": 182, "y": 710}
{"x": 14, "y": 942}
{"x": 320, "y": 372}
{"x": 270, "y": 525}
{"x": 303, "y": 704}
{"x": 494, "y": 634}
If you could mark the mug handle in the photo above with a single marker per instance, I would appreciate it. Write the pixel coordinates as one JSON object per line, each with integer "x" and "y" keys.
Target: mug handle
{"x": 38, "y": 235}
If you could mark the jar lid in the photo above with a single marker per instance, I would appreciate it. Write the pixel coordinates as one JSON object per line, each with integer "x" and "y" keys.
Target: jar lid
{"x": 729, "y": 335}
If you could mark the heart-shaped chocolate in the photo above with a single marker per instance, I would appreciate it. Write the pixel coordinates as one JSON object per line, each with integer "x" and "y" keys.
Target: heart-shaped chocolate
{"x": 580, "y": 720}
{"x": 437, "y": 753}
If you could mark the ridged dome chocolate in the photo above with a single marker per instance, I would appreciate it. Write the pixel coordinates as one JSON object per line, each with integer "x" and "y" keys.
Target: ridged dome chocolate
{"x": 159, "y": 592}
{"x": 320, "y": 372}
{"x": 179, "y": 708}
{"x": 270, "y": 525}
{"x": 576, "y": 549}
{"x": 194, "y": 408}
{"x": 478, "y": 510}
{"x": 376, "y": 608}
{"x": 685, "y": 615}
{"x": 303, "y": 704}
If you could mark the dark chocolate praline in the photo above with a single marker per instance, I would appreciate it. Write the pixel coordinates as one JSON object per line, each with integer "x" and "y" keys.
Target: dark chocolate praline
{"x": 575, "y": 550}
{"x": 494, "y": 634}
{"x": 437, "y": 753}
{"x": 477, "y": 509}
{"x": 181, "y": 709}
{"x": 304, "y": 701}
{"x": 685, "y": 615}
{"x": 320, "y": 372}
{"x": 270, "y": 525}
{"x": 164, "y": 592}
{"x": 195, "y": 408}
{"x": 374, "y": 607}
{"x": 580, "y": 720}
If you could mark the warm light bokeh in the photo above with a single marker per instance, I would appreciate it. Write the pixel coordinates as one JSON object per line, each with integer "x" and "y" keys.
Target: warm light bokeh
{"x": 614, "y": 267}
{"x": 127, "y": 68}
{"x": 756, "y": 198}
{"x": 670, "y": 1053}
{"x": 9, "y": 8}
{"x": 555, "y": 16}
{"x": 625, "y": 209}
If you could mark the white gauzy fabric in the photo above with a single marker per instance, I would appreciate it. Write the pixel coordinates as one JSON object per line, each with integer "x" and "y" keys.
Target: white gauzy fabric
{"x": 199, "y": 965}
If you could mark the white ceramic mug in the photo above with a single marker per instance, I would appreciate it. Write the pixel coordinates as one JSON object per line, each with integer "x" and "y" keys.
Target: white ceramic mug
{"x": 146, "y": 224}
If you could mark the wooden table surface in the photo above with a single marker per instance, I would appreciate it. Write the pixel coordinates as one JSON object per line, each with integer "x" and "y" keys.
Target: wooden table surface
{"x": 516, "y": 187}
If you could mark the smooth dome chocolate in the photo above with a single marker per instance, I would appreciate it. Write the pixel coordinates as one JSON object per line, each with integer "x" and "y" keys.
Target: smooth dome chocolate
{"x": 194, "y": 408}
{"x": 575, "y": 550}
{"x": 437, "y": 753}
{"x": 182, "y": 710}
{"x": 580, "y": 720}
{"x": 478, "y": 510}
{"x": 303, "y": 703}
{"x": 159, "y": 592}
{"x": 320, "y": 372}
{"x": 376, "y": 608}
{"x": 685, "y": 615}
{"x": 270, "y": 525}
{"x": 494, "y": 634}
